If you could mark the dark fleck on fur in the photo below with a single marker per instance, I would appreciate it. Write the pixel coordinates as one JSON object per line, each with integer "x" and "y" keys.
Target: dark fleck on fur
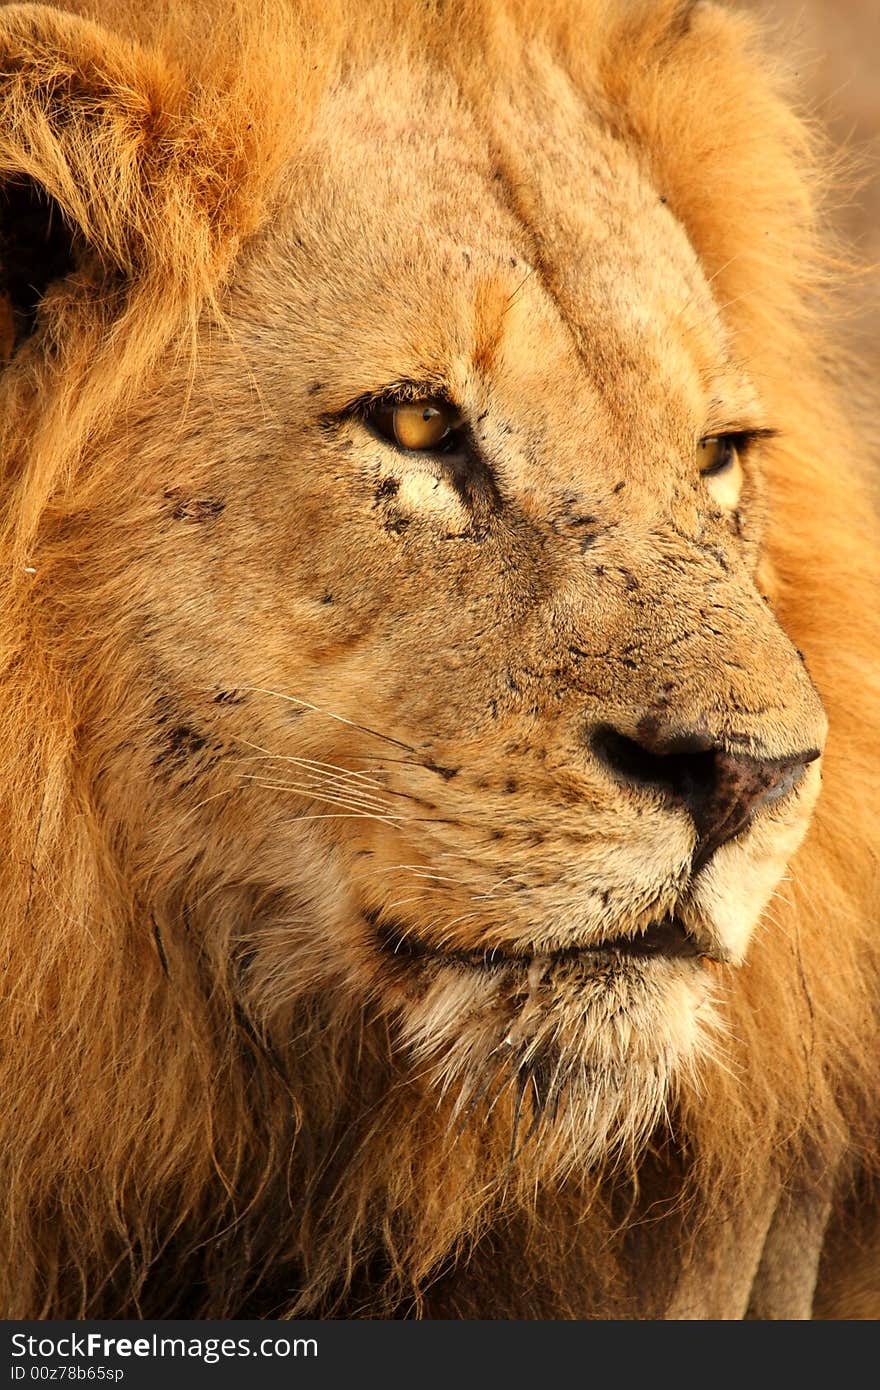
{"x": 193, "y": 508}
{"x": 588, "y": 525}
{"x": 160, "y": 947}
{"x": 184, "y": 741}
{"x": 447, "y": 773}
{"x": 180, "y": 744}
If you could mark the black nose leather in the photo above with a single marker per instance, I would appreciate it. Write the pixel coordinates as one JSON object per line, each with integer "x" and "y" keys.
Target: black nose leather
{"x": 720, "y": 788}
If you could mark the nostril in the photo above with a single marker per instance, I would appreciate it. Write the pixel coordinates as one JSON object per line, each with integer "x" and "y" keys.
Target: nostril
{"x": 680, "y": 762}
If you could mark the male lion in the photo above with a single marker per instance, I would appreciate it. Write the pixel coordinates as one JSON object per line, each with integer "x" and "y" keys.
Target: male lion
{"x": 433, "y": 541}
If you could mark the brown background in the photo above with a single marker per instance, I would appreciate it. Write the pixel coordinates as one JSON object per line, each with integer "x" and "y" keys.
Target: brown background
{"x": 834, "y": 48}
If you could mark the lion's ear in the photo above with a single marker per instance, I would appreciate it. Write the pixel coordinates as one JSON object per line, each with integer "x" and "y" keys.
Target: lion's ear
{"x": 38, "y": 249}
{"x": 81, "y": 127}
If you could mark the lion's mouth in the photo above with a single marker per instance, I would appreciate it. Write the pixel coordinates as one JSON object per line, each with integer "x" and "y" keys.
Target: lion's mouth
{"x": 667, "y": 939}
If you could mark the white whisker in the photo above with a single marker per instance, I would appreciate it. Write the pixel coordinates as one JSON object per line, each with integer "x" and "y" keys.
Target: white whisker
{"x": 328, "y": 714}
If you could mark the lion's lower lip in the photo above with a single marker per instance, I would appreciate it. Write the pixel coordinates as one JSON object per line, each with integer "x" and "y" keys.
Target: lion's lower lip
{"x": 666, "y": 939}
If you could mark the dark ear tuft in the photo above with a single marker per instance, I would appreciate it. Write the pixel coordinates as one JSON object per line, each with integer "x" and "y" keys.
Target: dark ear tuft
{"x": 37, "y": 247}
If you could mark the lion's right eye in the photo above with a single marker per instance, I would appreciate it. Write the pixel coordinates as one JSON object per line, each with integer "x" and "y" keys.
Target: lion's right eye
{"x": 427, "y": 425}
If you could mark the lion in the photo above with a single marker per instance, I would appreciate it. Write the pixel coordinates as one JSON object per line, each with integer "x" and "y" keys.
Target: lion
{"x": 440, "y": 702}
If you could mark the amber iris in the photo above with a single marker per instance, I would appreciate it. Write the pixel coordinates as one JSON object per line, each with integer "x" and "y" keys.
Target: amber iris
{"x": 716, "y": 454}
{"x": 421, "y": 424}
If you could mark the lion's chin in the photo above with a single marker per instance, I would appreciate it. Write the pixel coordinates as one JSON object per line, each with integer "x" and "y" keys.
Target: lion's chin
{"x": 583, "y": 1049}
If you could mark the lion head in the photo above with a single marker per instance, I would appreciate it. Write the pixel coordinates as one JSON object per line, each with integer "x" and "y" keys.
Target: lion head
{"x": 428, "y": 531}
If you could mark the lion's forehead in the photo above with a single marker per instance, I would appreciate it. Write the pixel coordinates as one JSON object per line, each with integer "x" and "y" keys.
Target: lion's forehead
{"x": 523, "y": 257}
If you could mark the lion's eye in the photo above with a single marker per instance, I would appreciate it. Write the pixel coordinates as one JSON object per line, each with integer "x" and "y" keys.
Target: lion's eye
{"x": 717, "y": 454}
{"x": 426, "y": 424}
{"x": 719, "y": 457}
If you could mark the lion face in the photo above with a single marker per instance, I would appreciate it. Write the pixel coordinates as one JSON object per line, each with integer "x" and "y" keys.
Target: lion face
{"x": 458, "y": 573}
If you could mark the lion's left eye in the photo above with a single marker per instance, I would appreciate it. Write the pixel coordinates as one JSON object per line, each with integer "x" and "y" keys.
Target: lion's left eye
{"x": 717, "y": 454}
{"x": 428, "y": 424}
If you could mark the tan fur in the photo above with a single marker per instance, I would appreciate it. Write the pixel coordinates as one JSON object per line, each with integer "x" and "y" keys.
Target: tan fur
{"x": 270, "y": 687}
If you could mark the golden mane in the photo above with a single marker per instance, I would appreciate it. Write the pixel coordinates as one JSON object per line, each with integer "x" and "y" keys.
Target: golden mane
{"x": 149, "y": 1123}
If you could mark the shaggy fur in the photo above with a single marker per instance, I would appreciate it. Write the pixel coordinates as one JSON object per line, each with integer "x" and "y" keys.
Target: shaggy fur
{"x": 307, "y": 832}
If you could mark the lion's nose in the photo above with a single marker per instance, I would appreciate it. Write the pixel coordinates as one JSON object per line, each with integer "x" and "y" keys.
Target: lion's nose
{"x": 720, "y": 788}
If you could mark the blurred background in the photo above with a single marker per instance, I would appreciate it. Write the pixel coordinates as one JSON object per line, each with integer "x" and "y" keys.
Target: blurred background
{"x": 834, "y": 48}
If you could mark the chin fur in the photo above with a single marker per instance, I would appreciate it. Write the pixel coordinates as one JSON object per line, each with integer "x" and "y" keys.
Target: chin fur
{"x": 585, "y": 1056}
